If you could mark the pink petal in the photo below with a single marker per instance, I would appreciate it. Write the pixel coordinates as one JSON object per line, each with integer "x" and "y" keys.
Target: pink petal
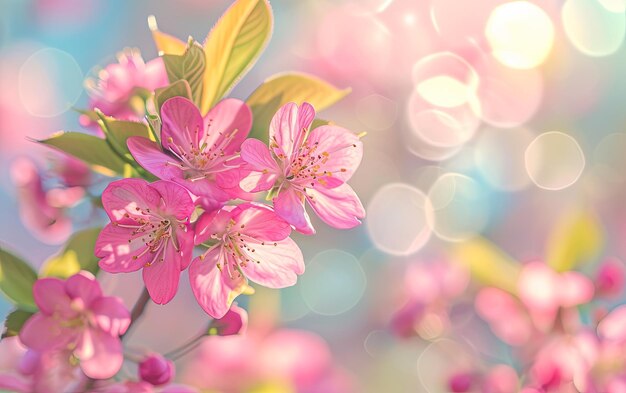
{"x": 343, "y": 147}
{"x": 83, "y": 286}
{"x": 215, "y": 290}
{"x": 50, "y": 296}
{"x": 205, "y": 188}
{"x": 575, "y": 289}
{"x": 234, "y": 322}
{"x": 150, "y": 157}
{"x": 176, "y": 200}
{"x": 289, "y": 204}
{"x": 111, "y": 315}
{"x": 155, "y": 75}
{"x": 613, "y": 326}
{"x": 338, "y": 207}
{"x": 210, "y": 223}
{"x": 107, "y": 356}
{"x": 260, "y": 222}
{"x": 161, "y": 278}
{"x": 275, "y": 265}
{"x": 43, "y": 333}
{"x": 182, "y": 125}
{"x": 288, "y": 127}
{"x": 126, "y": 196}
{"x": 538, "y": 287}
{"x": 230, "y": 118}
{"x": 185, "y": 239}
{"x": 118, "y": 255}
{"x": 263, "y": 170}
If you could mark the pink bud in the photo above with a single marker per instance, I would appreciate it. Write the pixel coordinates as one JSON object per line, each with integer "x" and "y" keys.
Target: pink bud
{"x": 460, "y": 382}
{"x": 156, "y": 370}
{"x": 610, "y": 278}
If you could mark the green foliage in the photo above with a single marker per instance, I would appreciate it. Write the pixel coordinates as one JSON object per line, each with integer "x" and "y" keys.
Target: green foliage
{"x": 118, "y": 131}
{"x": 177, "y": 89}
{"x": 189, "y": 67}
{"x": 16, "y": 280}
{"x": 14, "y": 322}
{"x": 78, "y": 254}
{"x": 89, "y": 149}
{"x": 233, "y": 46}
{"x": 292, "y": 87}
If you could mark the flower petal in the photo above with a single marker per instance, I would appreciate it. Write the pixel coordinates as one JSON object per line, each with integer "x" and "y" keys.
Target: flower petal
{"x": 260, "y": 171}
{"x": 214, "y": 289}
{"x": 117, "y": 253}
{"x": 211, "y": 223}
{"x": 260, "y": 222}
{"x": 344, "y": 149}
{"x": 111, "y": 315}
{"x": 182, "y": 125}
{"x": 338, "y": 207}
{"x": 275, "y": 265}
{"x": 162, "y": 276}
{"x": 50, "y": 296}
{"x": 288, "y": 127}
{"x": 129, "y": 196}
{"x": 289, "y": 204}
{"x": 176, "y": 200}
{"x": 148, "y": 154}
{"x": 227, "y": 124}
{"x": 107, "y": 356}
{"x": 83, "y": 285}
{"x": 43, "y": 333}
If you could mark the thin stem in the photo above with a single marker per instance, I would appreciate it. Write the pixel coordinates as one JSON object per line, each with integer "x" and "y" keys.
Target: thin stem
{"x": 185, "y": 346}
{"x": 138, "y": 309}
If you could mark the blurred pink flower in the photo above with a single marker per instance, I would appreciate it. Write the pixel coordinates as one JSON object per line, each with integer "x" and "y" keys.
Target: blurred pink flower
{"x": 156, "y": 370}
{"x": 290, "y": 359}
{"x": 71, "y": 171}
{"x": 149, "y": 229}
{"x": 302, "y": 165}
{"x": 117, "y": 91}
{"x": 251, "y": 241}
{"x": 42, "y": 211}
{"x": 430, "y": 287}
{"x": 75, "y": 314}
{"x": 197, "y": 152}
{"x": 235, "y": 321}
{"x": 610, "y": 278}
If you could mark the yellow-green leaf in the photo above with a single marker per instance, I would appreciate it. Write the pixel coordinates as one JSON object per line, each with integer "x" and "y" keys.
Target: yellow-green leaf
{"x": 487, "y": 263}
{"x": 233, "y": 45}
{"x": 576, "y": 239}
{"x": 189, "y": 67}
{"x": 78, "y": 254}
{"x": 17, "y": 279}
{"x": 165, "y": 43}
{"x": 118, "y": 132}
{"x": 88, "y": 148}
{"x": 291, "y": 87}
{"x": 177, "y": 89}
{"x": 14, "y": 322}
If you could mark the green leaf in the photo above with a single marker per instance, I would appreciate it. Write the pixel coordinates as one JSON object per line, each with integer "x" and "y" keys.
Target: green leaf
{"x": 578, "y": 238}
{"x": 17, "y": 279}
{"x": 487, "y": 263}
{"x": 90, "y": 149}
{"x": 118, "y": 132}
{"x": 177, "y": 89}
{"x": 78, "y": 254}
{"x": 189, "y": 66}
{"x": 14, "y": 322}
{"x": 292, "y": 87}
{"x": 233, "y": 46}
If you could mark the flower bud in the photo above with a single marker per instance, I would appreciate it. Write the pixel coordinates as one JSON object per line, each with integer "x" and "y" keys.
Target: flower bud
{"x": 156, "y": 370}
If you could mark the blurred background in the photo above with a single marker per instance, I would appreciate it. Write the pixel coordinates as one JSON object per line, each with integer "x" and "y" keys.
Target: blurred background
{"x": 483, "y": 118}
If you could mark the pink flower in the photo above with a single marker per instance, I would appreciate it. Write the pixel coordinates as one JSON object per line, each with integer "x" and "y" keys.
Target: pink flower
{"x": 251, "y": 241}
{"x": 149, "y": 229}
{"x": 43, "y": 211}
{"x": 156, "y": 370}
{"x": 197, "y": 152}
{"x": 610, "y": 278}
{"x": 302, "y": 165}
{"x": 75, "y": 314}
{"x": 118, "y": 90}
{"x": 235, "y": 321}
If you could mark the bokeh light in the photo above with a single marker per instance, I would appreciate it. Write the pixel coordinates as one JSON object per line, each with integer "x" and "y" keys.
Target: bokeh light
{"x": 376, "y": 112}
{"x": 460, "y": 207}
{"x": 499, "y": 156}
{"x": 398, "y": 219}
{"x": 334, "y": 282}
{"x": 592, "y": 28}
{"x": 554, "y": 160}
{"x": 609, "y": 158}
{"x": 50, "y": 82}
{"x": 520, "y": 33}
